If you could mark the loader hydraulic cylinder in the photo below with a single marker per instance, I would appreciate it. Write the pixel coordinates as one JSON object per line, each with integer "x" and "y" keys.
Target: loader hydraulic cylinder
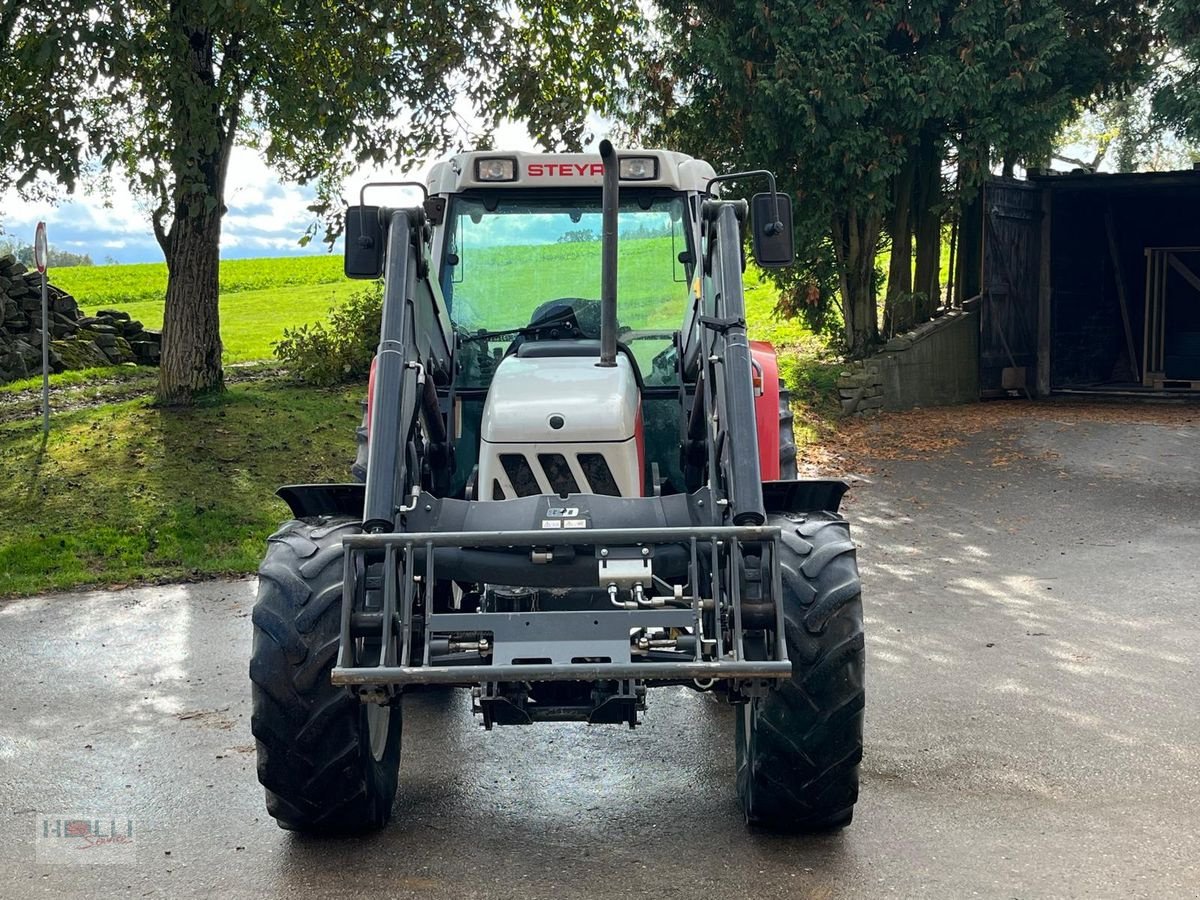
{"x": 608, "y": 255}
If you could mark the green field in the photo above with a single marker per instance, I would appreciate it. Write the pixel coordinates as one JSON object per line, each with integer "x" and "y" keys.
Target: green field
{"x": 101, "y": 286}
{"x": 259, "y": 297}
{"x": 262, "y": 297}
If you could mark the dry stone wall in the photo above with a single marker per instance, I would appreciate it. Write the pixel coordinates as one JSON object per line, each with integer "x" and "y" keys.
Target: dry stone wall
{"x": 77, "y": 341}
{"x": 935, "y": 364}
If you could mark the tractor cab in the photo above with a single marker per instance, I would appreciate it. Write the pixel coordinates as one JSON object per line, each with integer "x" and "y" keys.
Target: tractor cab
{"x": 519, "y": 266}
{"x": 517, "y": 246}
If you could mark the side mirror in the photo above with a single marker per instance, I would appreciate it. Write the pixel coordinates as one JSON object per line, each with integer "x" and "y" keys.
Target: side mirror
{"x": 771, "y": 235}
{"x": 364, "y": 237}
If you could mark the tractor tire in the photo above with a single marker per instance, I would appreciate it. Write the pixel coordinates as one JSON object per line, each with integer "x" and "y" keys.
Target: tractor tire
{"x": 358, "y": 469}
{"x": 799, "y": 746}
{"x": 329, "y": 763}
{"x": 787, "y": 436}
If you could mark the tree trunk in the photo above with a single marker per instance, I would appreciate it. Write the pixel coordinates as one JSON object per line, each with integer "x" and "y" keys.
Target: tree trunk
{"x": 928, "y": 229}
{"x": 899, "y": 283}
{"x": 968, "y": 276}
{"x": 191, "y": 347}
{"x": 855, "y": 243}
{"x": 203, "y": 136}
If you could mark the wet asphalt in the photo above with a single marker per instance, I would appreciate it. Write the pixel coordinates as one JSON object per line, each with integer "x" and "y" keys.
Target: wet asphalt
{"x": 1033, "y": 724}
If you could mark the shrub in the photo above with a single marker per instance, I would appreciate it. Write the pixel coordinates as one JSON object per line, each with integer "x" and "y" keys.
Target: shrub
{"x": 339, "y": 349}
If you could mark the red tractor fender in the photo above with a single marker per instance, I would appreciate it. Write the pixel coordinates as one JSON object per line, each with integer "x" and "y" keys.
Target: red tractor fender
{"x": 766, "y": 407}
{"x": 370, "y": 393}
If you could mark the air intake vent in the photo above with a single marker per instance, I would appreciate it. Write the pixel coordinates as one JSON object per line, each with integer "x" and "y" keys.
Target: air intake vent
{"x": 517, "y": 468}
{"x": 599, "y": 475}
{"x": 558, "y": 473}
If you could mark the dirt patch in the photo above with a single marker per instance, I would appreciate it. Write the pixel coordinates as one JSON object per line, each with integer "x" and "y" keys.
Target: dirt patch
{"x": 210, "y": 718}
{"x": 855, "y": 446}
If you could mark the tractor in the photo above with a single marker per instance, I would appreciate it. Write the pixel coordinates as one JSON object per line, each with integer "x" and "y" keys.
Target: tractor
{"x": 576, "y": 482}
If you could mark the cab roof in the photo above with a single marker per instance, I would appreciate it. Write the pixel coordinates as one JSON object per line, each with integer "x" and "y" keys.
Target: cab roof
{"x": 522, "y": 169}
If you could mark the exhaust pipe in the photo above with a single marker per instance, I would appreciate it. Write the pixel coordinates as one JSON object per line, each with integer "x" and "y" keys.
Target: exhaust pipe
{"x": 608, "y": 256}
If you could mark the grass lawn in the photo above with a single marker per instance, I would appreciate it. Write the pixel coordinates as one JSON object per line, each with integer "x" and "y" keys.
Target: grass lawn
{"x": 124, "y": 492}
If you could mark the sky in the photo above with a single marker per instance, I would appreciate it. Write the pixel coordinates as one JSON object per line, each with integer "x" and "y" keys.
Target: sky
{"x": 266, "y": 216}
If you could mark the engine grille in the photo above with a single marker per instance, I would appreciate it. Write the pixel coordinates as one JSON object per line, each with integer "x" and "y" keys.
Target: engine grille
{"x": 557, "y": 472}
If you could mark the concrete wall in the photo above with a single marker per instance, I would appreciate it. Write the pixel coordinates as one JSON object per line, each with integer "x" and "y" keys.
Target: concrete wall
{"x": 936, "y": 364}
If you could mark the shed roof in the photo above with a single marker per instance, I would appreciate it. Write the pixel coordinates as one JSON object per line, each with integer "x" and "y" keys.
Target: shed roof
{"x": 1116, "y": 181}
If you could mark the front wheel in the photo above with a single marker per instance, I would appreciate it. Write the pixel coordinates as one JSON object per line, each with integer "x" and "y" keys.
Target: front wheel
{"x": 799, "y": 746}
{"x": 328, "y": 762}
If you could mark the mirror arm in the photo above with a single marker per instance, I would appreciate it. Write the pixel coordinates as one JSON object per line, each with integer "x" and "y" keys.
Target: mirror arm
{"x": 771, "y": 228}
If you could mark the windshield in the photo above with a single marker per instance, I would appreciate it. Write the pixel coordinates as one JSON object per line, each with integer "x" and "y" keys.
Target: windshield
{"x": 507, "y": 260}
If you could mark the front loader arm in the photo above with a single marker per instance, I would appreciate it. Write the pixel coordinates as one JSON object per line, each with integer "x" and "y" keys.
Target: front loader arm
{"x": 415, "y": 352}
{"x": 723, "y": 415}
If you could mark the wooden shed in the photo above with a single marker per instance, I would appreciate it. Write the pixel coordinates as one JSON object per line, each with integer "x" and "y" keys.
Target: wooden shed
{"x": 1089, "y": 282}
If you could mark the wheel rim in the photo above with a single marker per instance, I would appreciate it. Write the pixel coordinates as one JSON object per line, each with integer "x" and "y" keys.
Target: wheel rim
{"x": 379, "y": 720}
{"x": 378, "y": 716}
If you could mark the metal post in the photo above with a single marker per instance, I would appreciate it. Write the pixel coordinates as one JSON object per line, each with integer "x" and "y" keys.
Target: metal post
{"x": 40, "y": 252}
{"x": 45, "y": 359}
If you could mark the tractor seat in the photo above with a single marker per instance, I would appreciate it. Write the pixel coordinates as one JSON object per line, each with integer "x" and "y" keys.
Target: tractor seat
{"x": 575, "y": 347}
{"x": 560, "y": 347}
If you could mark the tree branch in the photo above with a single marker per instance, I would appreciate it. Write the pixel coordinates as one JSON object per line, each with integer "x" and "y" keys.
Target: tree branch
{"x": 161, "y": 234}
{"x": 8, "y": 21}
{"x": 1072, "y": 160}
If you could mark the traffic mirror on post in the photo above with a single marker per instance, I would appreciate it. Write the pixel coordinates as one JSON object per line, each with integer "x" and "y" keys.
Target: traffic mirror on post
{"x": 771, "y": 230}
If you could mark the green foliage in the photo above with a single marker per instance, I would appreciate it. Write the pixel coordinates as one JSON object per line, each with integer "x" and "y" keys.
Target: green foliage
{"x": 1176, "y": 101}
{"x": 839, "y": 97}
{"x": 160, "y": 93}
{"x": 339, "y": 349}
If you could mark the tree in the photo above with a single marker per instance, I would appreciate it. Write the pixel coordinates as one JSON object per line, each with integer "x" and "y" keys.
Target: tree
{"x": 160, "y": 93}
{"x": 854, "y": 106}
{"x": 1176, "y": 98}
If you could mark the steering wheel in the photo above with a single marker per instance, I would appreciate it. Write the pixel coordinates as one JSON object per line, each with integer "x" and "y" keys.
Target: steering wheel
{"x": 579, "y": 315}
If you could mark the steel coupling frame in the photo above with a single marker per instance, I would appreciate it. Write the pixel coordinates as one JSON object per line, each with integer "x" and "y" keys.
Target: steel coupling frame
{"x": 396, "y": 666}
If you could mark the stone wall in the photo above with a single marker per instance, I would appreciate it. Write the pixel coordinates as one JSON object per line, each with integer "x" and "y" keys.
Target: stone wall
{"x": 77, "y": 341}
{"x": 935, "y": 364}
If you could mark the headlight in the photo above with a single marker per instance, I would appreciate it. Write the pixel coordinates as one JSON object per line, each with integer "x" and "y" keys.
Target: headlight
{"x": 638, "y": 168}
{"x": 496, "y": 170}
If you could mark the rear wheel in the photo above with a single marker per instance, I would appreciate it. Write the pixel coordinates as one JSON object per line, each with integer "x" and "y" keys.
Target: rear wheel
{"x": 799, "y": 746}
{"x": 787, "y": 435}
{"x": 328, "y": 762}
{"x": 358, "y": 469}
